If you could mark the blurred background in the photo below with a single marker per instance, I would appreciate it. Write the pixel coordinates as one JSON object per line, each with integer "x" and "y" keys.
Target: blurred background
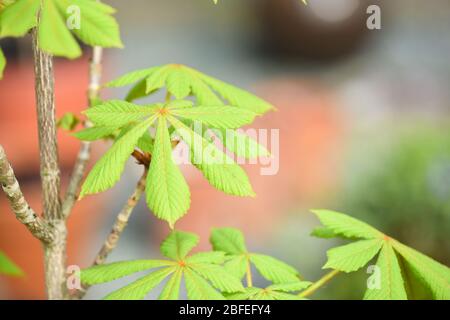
{"x": 363, "y": 118}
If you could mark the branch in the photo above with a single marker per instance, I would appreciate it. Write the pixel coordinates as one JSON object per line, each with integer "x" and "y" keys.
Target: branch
{"x": 319, "y": 283}
{"x": 121, "y": 222}
{"x": 119, "y": 226}
{"x": 38, "y": 228}
{"x": 85, "y": 149}
{"x": 55, "y": 252}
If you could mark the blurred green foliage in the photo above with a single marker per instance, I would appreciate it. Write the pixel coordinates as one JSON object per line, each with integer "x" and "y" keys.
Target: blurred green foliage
{"x": 406, "y": 192}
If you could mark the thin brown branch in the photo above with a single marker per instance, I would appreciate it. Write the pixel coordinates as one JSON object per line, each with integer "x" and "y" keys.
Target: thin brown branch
{"x": 84, "y": 153}
{"x": 24, "y": 213}
{"x": 121, "y": 222}
{"x": 55, "y": 252}
{"x": 119, "y": 226}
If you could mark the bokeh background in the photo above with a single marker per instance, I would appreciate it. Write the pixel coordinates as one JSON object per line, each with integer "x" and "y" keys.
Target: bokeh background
{"x": 363, "y": 118}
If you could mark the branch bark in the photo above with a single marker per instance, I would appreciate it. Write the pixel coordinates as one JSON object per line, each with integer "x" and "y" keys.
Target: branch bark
{"x": 24, "y": 213}
{"x": 84, "y": 153}
{"x": 119, "y": 226}
{"x": 55, "y": 252}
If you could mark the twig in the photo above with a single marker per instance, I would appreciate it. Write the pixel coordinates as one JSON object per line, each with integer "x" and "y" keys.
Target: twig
{"x": 119, "y": 226}
{"x": 55, "y": 252}
{"x": 319, "y": 283}
{"x": 24, "y": 213}
{"x": 85, "y": 149}
{"x": 121, "y": 222}
{"x": 249, "y": 273}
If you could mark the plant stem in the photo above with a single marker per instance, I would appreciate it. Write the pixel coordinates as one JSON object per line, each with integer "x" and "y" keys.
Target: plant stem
{"x": 119, "y": 226}
{"x": 319, "y": 283}
{"x": 95, "y": 73}
{"x": 24, "y": 213}
{"x": 121, "y": 222}
{"x": 249, "y": 274}
{"x": 55, "y": 252}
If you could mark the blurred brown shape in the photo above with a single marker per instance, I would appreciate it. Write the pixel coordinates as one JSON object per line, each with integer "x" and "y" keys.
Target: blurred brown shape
{"x": 291, "y": 28}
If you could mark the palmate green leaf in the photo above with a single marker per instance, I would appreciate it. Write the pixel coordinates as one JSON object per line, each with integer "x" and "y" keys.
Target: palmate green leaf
{"x": 68, "y": 121}
{"x": 231, "y": 241}
{"x": 109, "y": 168}
{"x": 167, "y": 192}
{"x": 345, "y": 226}
{"x": 119, "y": 113}
{"x": 9, "y": 268}
{"x": 171, "y": 290}
{"x": 254, "y": 293}
{"x": 273, "y": 269}
{"x": 54, "y": 36}
{"x": 228, "y": 240}
{"x": 218, "y": 276}
{"x": 95, "y": 133}
{"x": 182, "y": 81}
{"x": 217, "y": 116}
{"x": 405, "y": 272}
{"x": 139, "y": 289}
{"x": 198, "y": 288}
{"x": 435, "y": 276}
{"x": 2, "y": 63}
{"x": 215, "y": 257}
{"x": 290, "y": 286}
{"x": 109, "y": 272}
{"x": 202, "y": 272}
{"x": 18, "y": 18}
{"x": 218, "y": 168}
{"x": 241, "y": 144}
{"x": 178, "y": 244}
{"x": 97, "y": 26}
{"x": 391, "y": 283}
{"x": 237, "y": 265}
{"x": 353, "y": 256}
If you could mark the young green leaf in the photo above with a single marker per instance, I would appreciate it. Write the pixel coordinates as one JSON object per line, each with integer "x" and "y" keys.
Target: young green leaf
{"x": 433, "y": 274}
{"x": 95, "y": 133}
{"x": 9, "y": 268}
{"x": 217, "y": 117}
{"x": 118, "y": 113}
{"x": 290, "y": 286}
{"x": 182, "y": 81}
{"x": 273, "y": 269}
{"x": 167, "y": 192}
{"x": 140, "y": 288}
{"x": 97, "y": 27}
{"x": 109, "y": 168}
{"x": 228, "y": 240}
{"x": 215, "y": 257}
{"x": 54, "y": 36}
{"x": 218, "y": 168}
{"x": 199, "y": 289}
{"x": 345, "y": 226}
{"x": 68, "y": 121}
{"x": 171, "y": 290}
{"x": 241, "y": 144}
{"x": 237, "y": 265}
{"x": 353, "y": 256}
{"x": 218, "y": 276}
{"x": 254, "y": 293}
{"x": 391, "y": 282}
{"x": 131, "y": 77}
{"x": 18, "y": 18}
{"x": 178, "y": 244}
{"x": 109, "y": 272}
